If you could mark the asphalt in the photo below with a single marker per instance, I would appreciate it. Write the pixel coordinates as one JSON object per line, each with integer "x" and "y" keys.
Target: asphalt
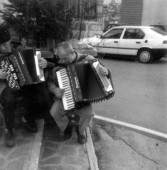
{"x": 121, "y": 148}
{"x": 109, "y": 147}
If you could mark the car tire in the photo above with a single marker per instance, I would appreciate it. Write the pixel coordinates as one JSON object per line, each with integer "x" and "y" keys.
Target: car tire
{"x": 145, "y": 56}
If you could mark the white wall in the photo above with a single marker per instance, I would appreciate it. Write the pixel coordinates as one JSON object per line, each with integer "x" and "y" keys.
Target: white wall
{"x": 154, "y": 12}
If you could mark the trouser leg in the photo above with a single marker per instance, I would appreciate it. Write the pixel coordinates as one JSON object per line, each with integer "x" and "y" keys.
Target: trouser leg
{"x": 8, "y": 101}
{"x": 36, "y": 111}
{"x": 30, "y": 115}
{"x": 86, "y": 115}
{"x": 37, "y": 103}
{"x": 59, "y": 115}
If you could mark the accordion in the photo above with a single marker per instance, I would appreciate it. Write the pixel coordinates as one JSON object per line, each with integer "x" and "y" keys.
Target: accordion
{"x": 22, "y": 68}
{"x": 83, "y": 83}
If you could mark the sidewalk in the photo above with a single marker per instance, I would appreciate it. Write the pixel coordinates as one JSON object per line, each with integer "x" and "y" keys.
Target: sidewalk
{"x": 20, "y": 156}
{"x": 43, "y": 151}
{"x": 58, "y": 155}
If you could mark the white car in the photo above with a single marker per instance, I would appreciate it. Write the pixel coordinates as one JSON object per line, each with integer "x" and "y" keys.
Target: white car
{"x": 83, "y": 48}
{"x": 144, "y": 43}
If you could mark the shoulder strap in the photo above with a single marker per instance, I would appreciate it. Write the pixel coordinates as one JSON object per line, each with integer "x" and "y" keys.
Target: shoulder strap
{"x": 81, "y": 57}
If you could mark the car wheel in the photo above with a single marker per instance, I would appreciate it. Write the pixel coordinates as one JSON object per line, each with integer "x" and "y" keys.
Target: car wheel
{"x": 145, "y": 56}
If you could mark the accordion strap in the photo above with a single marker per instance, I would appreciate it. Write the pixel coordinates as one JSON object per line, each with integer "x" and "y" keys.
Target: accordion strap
{"x": 110, "y": 77}
{"x": 80, "y": 58}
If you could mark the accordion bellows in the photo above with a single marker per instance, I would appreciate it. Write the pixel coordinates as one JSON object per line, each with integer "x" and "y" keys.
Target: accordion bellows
{"x": 86, "y": 83}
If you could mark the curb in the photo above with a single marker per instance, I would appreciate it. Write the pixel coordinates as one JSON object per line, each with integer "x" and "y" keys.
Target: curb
{"x": 103, "y": 121}
{"x": 33, "y": 157}
{"x": 91, "y": 151}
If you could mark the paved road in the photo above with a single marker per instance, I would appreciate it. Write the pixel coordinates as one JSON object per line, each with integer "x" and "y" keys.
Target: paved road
{"x": 141, "y": 94}
{"x": 122, "y": 149}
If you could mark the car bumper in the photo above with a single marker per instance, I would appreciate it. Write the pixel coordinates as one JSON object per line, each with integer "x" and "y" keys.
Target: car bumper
{"x": 159, "y": 52}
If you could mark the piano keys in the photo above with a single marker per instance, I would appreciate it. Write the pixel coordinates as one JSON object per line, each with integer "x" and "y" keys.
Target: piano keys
{"x": 83, "y": 82}
{"x": 64, "y": 83}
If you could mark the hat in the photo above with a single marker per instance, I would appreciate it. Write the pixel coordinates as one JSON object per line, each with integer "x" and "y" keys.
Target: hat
{"x": 4, "y": 35}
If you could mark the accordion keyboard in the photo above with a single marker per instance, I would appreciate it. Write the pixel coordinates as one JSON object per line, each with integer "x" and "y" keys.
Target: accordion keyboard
{"x": 64, "y": 83}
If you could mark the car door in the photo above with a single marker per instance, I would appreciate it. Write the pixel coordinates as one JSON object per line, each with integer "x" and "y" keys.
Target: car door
{"x": 110, "y": 41}
{"x": 131, "y": 41}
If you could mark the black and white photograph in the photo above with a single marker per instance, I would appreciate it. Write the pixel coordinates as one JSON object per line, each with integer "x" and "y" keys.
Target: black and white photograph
{"x": 83, "y": 85}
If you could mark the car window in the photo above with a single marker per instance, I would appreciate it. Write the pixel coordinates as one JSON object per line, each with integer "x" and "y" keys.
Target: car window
{"x": 114, "y": 33}
{"x": 159, "y": 31}
{"x": 132, "y": 33}
{"x": 140, "y": 34}
{"x": 110, "y": 26}
{"x": 161, "y": 27}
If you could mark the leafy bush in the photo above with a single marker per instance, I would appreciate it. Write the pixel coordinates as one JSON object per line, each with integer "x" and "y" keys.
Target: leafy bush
{"x": 39, "y": 20}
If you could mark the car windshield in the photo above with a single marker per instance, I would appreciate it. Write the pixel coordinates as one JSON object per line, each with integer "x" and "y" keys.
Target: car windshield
{"x": 114, "y": 33}
{"x": 159, "y": 31}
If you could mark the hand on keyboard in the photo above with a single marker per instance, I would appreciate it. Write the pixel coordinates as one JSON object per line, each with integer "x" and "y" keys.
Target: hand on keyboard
{"x": 58, "y": 92}
{"x": 103, "y": 71}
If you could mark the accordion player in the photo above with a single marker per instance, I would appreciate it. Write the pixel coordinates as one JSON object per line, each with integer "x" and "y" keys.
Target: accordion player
{"x": 22, "y": 68}
{"x": 83, "y": 83}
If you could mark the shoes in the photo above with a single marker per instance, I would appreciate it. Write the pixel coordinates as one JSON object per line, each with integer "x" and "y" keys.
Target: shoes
{"x": 81, "y": 138}
{"x": 68, "y": 132}
{"x": 9, "y": 138}
{"x": 32, "y": 127}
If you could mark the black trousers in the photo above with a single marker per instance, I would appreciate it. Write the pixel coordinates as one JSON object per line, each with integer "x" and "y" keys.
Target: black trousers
{"x": 37, "y": 103}
{"x": 8, "y": 100}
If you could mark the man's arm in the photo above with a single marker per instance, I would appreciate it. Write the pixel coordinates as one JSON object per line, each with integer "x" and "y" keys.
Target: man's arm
{"x": 52, "y": 83}
{"x": 103, "y": 71}
{"x": 54, "y": 89}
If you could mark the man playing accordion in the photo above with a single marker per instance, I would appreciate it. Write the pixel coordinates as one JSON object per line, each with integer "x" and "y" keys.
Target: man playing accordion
{"x": 8, "y": 97}
{"x": 85, "y": 112}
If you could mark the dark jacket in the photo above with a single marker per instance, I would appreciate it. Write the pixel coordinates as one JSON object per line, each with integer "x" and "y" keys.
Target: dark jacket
{"x": 3, "y": 82}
